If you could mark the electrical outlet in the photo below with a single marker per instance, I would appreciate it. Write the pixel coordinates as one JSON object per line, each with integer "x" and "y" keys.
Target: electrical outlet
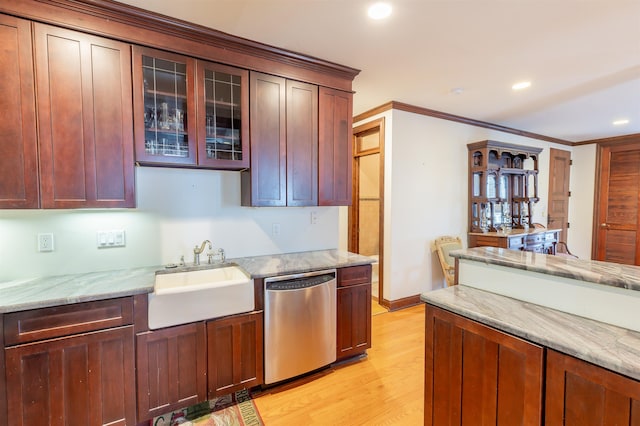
{"x": 275, "y": 229}
{"x": 314, "y": 218}
{"x": 45, "y": 242}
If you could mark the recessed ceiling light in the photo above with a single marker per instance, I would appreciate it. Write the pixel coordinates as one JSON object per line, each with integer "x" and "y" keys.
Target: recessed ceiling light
{"x": 521, "y": 85}
{"x": 379, "y": 10}
{"x": 621, "y": 122}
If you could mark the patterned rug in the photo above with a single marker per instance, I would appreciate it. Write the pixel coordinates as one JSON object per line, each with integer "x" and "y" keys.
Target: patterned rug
{"x": 237, "y": 409}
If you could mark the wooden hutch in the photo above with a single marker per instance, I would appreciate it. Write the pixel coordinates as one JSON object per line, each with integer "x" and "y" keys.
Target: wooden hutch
{"x": 503, "y": 188}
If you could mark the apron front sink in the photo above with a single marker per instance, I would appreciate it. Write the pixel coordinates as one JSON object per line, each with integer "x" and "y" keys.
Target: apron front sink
{"x": 184, "y": 297}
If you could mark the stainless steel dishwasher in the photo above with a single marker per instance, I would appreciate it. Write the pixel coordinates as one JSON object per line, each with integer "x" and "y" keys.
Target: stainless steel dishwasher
{"x": 299, "y": 324}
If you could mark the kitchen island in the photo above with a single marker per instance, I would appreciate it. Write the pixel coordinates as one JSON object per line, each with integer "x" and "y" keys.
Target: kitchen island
{"x": 506, "y": 359}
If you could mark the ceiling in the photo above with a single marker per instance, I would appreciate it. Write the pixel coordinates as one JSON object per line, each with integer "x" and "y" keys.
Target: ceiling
{"x": 582, "y": 56}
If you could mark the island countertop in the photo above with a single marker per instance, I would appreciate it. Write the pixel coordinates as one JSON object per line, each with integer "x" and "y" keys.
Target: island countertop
{"x": 605, "y": 273}
{"x": 24, "y": 294}
{"x": 611, "y": 347}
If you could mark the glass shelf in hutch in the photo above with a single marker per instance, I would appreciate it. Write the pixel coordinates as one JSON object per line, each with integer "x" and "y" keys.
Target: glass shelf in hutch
{"x": 164, "y": 107}
{"x": 503, "y": 185}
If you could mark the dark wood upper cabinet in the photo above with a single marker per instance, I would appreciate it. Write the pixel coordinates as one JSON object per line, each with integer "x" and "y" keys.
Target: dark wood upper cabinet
{"x": 18, "y": 140}
{"x": 85, "y": 119}
{"x": 335, "y": 150}
{"x": 302, "y": 144}
{"x": 265, "y": 184}
{"x": 284, "y": 143}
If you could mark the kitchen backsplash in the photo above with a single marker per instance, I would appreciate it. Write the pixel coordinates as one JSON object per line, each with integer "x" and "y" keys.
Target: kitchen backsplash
{"x": 176, "y": 209}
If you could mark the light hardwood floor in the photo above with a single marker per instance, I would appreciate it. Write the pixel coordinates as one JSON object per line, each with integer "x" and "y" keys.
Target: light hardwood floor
{"x": 386, "y": 388}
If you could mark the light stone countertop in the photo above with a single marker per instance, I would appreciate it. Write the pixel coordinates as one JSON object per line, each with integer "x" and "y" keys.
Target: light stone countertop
{"x": 613, "y": 348}
{"x": 20, "y": 295}
{"x": 605, "y": 273}
{"x": 516, "y": 232}
{"x": 297, "y": 263}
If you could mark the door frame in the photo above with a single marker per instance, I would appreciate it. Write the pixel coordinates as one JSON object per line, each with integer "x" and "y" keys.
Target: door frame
{"x": 354, "y": 208}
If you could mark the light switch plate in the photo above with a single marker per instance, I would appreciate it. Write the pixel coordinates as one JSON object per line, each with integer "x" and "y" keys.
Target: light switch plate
{"x": 111, "y": 238}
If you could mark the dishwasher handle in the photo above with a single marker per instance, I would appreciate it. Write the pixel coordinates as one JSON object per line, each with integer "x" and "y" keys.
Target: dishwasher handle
{"x": 299, "y": 282}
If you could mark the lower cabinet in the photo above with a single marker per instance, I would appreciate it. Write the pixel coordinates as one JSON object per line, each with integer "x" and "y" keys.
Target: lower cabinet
{"x": 579, "y": 393}
{"x": 353, "y": 310}
{"x": 478, "y": 375}
{"x": 475, "y": 374}
{"x": 87, "y": 379}
{"x": 234, "y": 351}
{"x": 171, "y": 369}
{"x": 70, "y": 364}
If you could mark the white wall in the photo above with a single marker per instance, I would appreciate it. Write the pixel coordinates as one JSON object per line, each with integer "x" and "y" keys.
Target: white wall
{"x": 176, "y": 209}
{"x": 581, "y": 207}
{"x": 426, "y": 193}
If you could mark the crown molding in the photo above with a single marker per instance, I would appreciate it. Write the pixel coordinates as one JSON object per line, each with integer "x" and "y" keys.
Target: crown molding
{"x": 459, "y": 119}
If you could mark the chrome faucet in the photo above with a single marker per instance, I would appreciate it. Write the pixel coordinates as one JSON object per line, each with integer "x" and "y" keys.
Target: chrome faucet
{"x": 198, "y": 250}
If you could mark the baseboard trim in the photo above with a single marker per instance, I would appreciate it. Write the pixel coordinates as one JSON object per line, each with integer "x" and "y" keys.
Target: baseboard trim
{"x": 405, "y": 302}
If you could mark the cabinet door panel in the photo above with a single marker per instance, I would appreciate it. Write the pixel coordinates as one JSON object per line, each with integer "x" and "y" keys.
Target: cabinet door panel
{"x": 473, "y": 371}
{"x": 85, "y": 379}
{"x": 335, "y": 141}
{"x": 579, "y": 393}
{"x": 18, "y": 143}
{"x": 302, "y": 144}
{"x": 85, "y": 122}
{"x": 268, "y": 175}
{"x": 171, "y": 369}
{"x": 234, "y": 351}
{"x": 354, "y": 320}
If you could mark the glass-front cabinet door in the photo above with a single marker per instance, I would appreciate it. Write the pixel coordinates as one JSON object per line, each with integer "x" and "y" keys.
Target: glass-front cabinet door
{"x": 223, "y": 116}
{"x": 164, "y": 103}
{"x": 190, "y": 112}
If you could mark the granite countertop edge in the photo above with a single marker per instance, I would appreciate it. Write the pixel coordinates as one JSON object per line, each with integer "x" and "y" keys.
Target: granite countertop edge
{"x": 605, "y": 273}
{"x": 42, "y": 292}
{"x": 611, "y": 347}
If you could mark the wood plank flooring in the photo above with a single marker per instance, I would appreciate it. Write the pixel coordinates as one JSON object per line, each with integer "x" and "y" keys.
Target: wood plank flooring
{"x": 386, "y": 388}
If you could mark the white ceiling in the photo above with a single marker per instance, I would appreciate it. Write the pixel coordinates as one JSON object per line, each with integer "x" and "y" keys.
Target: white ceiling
{"x": 582, "y": 56}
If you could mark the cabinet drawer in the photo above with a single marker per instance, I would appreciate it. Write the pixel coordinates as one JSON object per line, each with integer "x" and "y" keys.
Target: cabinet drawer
{"x": 47, "y": 323}
{"x": 534, "y": 239}
{"x": 490, "y": 241}
{"x": 354, "y": 275}
{"x": 516, "y": 242}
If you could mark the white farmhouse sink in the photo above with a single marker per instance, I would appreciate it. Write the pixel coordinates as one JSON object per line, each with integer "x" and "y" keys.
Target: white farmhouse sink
{"x": 184, "y": 297}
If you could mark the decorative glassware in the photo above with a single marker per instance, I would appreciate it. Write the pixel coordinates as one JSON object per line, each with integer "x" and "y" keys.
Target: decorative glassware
{"x": 506, "y": 217}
